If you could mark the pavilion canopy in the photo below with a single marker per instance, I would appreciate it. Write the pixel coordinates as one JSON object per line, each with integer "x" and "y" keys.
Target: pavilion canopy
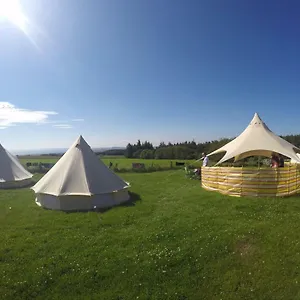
{"x": 295, "y": 162}
{"x": 257, "y": 140}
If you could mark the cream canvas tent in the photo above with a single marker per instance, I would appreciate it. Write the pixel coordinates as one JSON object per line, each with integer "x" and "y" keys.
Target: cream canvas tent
{"x": 80, "y": 181}
{"x": 294, "y": 161}
{"x": 12, "y": 173}
{"x": 257, "y": 140}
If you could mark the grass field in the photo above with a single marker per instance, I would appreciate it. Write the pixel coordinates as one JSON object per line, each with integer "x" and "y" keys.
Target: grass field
{"x": 173, "y": 241}
{"x": 121, "y": 161}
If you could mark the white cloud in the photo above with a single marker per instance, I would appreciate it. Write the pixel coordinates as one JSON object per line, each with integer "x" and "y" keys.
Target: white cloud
{"x": 61, "y": 122}
{"x": 11, "y": 115}
{"x": 63, "y": 126}
{"x": 77, "y": 120}
{"x": 53, "y": 122}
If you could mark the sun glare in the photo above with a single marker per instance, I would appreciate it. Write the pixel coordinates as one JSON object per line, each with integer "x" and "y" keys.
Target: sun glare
{"x": 11, "y": 10}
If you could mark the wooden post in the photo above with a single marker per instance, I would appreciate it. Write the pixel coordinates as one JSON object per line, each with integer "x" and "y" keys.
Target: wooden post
{"x": 242, "y": 180}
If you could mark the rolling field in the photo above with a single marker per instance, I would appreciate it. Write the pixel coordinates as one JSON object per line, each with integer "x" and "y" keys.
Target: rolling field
{"x": 121, "y": 161}
{"x": 172, "y": 241}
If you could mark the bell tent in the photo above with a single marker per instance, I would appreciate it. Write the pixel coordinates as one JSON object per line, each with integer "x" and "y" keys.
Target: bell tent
{"x": 12, "y": 173}
{"x": 80, "y": 181}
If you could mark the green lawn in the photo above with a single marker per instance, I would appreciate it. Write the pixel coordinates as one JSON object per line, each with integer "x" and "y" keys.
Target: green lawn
{"x": 175, "y": 241}
{"x": 121, "y": 161}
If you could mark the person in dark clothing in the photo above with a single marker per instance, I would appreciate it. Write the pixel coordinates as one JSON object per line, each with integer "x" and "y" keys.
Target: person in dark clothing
{"x": 281, "y": 162}
{"x": 110, "y": 164}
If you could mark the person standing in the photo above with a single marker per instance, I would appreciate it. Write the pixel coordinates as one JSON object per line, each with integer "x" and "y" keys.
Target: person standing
{"x": 205, "y": 159}
{"x": 281, "y": 161}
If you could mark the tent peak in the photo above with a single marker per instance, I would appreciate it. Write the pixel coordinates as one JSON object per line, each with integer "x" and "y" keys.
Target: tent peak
{"x": 256, "y": 119}
{"x": 80, "y": 141}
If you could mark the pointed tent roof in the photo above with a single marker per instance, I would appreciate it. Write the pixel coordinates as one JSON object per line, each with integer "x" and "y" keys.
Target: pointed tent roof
{"x": 10, "y": 167}
{"x": 79, "y": 172}
{"x": 257, "y": 140}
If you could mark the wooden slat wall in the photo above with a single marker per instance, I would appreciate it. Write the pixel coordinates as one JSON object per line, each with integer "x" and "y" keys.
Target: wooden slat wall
{"x": 257, "y": 182}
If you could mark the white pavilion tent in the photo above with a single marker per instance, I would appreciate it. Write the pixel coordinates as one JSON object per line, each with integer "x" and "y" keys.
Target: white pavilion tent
{"x": 80, "y": 181}
{"x": 294, "y": 161}
{"x": 257, "y": 140}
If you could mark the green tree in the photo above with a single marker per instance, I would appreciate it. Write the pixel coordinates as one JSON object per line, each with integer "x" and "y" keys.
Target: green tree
{"x": 129, "y": 151}
{"x": 147, "y": 154}
{"x": 137, "y": 153}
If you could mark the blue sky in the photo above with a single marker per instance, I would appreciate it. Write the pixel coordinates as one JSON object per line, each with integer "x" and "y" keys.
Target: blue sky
{"x": 156, "y": 70}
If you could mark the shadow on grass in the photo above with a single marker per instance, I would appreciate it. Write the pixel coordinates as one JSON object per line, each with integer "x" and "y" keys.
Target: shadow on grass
{"x": 25, "y": 186}
{"x": 131, "y": 202}
{"x": 133, "y": 198}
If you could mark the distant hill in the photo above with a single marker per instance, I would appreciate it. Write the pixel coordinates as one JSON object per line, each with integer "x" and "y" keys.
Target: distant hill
{"x": 113, "y": 151}
{"x": 60, "y": 151}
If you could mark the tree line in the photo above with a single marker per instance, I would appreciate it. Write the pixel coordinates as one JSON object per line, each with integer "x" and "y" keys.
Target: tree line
{"x": 185, "y": 150}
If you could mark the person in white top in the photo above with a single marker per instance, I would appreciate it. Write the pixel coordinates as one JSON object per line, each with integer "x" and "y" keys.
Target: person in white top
{"x": 205, "y": 160}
